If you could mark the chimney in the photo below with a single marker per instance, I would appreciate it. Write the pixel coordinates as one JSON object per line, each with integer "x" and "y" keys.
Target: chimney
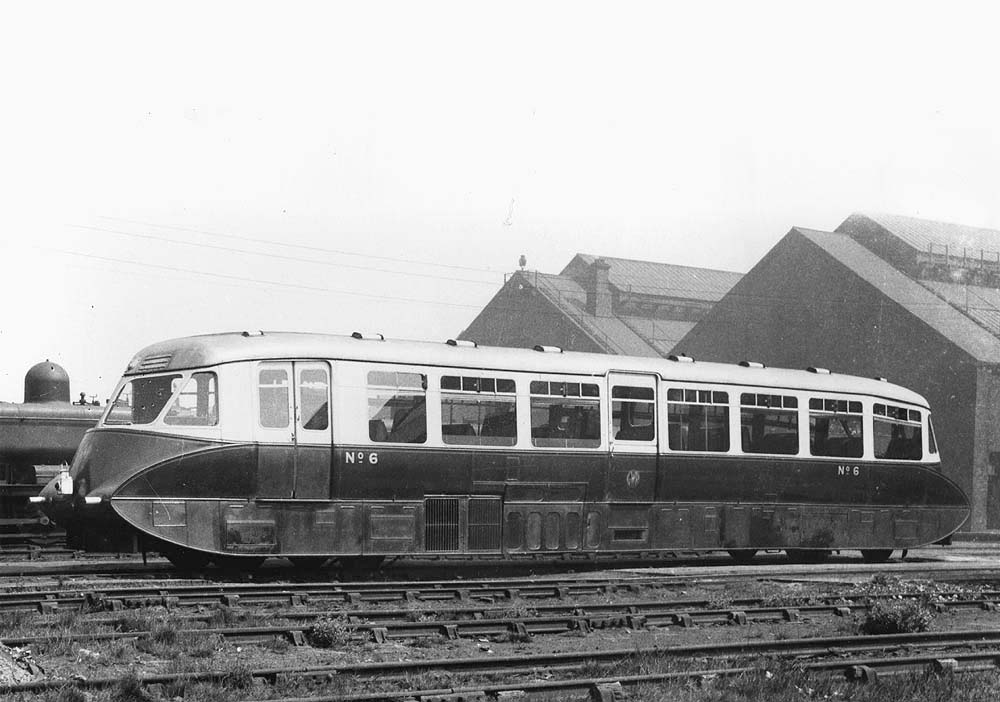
{"x": 598, "y": 289}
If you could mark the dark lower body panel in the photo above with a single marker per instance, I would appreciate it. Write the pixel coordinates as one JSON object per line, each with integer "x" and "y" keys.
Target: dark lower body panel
{"x": 475, "y": 524}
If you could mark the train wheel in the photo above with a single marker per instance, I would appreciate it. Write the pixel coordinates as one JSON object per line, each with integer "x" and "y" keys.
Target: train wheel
{"x": 807, "y": 555}
{"x": 308, "y": 562}
{"x": 184, "y": 559}
{"x": 876, "y": 555}
{"x": 743, "y": 556}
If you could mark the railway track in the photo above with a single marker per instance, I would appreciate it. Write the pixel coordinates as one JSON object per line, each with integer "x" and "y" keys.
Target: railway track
{"x": 381, "y": 625}
{"x": 861, "y": 658}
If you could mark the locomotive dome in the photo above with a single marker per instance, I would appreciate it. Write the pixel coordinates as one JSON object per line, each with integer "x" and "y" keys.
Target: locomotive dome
{"x": 46, "y": 382}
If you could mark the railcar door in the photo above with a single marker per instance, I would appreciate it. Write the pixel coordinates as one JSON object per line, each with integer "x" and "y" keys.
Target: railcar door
{"x": 632, "y": 436}
{"x": 313, "y": 448}
{"x": 293, "y": 430}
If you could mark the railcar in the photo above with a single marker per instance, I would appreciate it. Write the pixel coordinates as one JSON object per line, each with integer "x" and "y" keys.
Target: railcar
{"x": 235, "y": 447}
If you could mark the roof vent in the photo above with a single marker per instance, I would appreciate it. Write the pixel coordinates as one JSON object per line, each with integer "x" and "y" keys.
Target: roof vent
{"x": 464, "y": 343}
{"x": 256, "y": 332}
{"x": 680, "y": 358}
{"x": 752, "y": 364}
{"x": 819, "y": 371}
{"x": 881, "y": 379}
{"x": 154, "y": 363}
{"x": 367, "y": 337}
{"x": 548, "y": 349}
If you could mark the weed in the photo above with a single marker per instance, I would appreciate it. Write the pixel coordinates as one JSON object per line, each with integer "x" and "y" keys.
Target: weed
{"x": 129, "y": 689}
{"x": 69, "y": 693}
{"x": 897, "y": 617}
{"x": 238, "y": 676}
{"x": 328, "y": 632}
{"x": 278, "y": 645}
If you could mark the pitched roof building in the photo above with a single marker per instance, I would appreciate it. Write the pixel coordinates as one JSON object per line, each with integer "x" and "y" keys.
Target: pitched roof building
{"x": 602, "y": 305}
{"x": 911, "y": 300}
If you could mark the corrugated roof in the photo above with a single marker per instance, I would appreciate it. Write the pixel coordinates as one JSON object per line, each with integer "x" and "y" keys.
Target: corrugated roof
{"x": 978, "y": 302}
{"x": 922, "y": 233}
{"x": 609, "y": 332}
{"x": 651, "y": 278}
{"x": 920, "y": 301}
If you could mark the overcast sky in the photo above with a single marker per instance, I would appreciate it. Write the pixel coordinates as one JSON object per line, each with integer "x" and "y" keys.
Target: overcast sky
{"x": 179, "y": 168}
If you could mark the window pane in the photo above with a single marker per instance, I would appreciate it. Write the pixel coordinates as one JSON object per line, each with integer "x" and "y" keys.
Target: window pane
{"x": 272, "y": 390}
{"x": 697, "y": 427}
{"x": 931, "y": 441}
{"x": 451, "y": 382}
{"x": 196, "y": 405}
{"x": 478, "y": 421}
{"x": 894, "y": 440}
{"x": 835, "y": 435}
{"x": 470, "y": 384}
{"x": 539, "y": 387}
{"x": 773, "y": 431}
{"x": 632, "y": 421}
{"x": 145, "y": 397}
{"x": 590, "y": 390}
{"x": 565, "y": 423}
{"x": 314, "y": 396}
{"x": 399, "y": 417}
{"x": 505, "y": 385}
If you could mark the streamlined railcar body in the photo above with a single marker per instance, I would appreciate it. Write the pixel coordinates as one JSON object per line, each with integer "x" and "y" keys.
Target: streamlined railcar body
{"x": 239, "y": 446}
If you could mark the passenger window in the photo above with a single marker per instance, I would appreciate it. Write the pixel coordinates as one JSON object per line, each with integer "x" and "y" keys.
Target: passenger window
{"x": 632, "y": 413}
{"x": 898, "y": 433}
{"x": 397, "y": 411}
{"x": 144, "y": 397}
{"x": 835, "y": 428}
{"x": 314, "y": 399}
{"x": 196, "y": 405}
{"x": 697, "y": 420}
{"x": 931, "y": 441}
{"x": 478, "y": 411}
{"x": 565, "y": 415}
{"x": 769, "y": 423}
{"x": 272, "y": 393}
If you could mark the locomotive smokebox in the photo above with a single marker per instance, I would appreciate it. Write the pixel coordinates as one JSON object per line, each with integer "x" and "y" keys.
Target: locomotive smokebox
{"x": 46, "y": 382}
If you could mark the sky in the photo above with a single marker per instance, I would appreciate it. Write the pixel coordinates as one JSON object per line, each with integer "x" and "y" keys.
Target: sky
{"x": 178, "y": 168}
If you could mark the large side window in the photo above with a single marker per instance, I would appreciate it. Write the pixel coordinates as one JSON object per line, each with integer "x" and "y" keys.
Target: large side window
{"x": 145, "y": 398}
{"x": 897, "y": 433}
{"x": 478, "y": 411}
{"x": 835, "y": 428}
{"x": 566, "y": 415}
{"x": 272, "y": 395}
{"x": 397, "y": 407}
{"x": 633, "y": 416}
{"x": 769, "y": 423}
{"x": 197, "y": 403}
{"x": 697, "y": 420}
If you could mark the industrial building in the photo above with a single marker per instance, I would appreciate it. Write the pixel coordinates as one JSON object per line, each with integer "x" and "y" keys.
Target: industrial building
{"x": 914, "y": 301}
{"x": 601, "y": 305}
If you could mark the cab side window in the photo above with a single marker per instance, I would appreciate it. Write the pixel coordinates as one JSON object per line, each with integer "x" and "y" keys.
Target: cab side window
{"x": 898, "y": 433}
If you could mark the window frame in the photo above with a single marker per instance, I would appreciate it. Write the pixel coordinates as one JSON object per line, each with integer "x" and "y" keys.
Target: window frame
{"x": 467, "y": 389}
{"x": 592, "y": 392}
{"x": 667, "y": 386}
{"x": 863, "y": 413}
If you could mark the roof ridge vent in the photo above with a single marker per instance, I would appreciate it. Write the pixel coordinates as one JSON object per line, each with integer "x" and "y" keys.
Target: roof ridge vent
{"x": 752, "y": 364}
{"x": 680, "y": 358}
{"x": 464, "y": 343}
{"x": 819, "y": 371}
{"x": 367, "y": 336}
{"x": 547, "y": 349}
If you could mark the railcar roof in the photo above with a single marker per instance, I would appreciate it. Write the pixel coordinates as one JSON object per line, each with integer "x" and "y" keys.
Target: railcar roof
{"x": 214, "y": 349}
